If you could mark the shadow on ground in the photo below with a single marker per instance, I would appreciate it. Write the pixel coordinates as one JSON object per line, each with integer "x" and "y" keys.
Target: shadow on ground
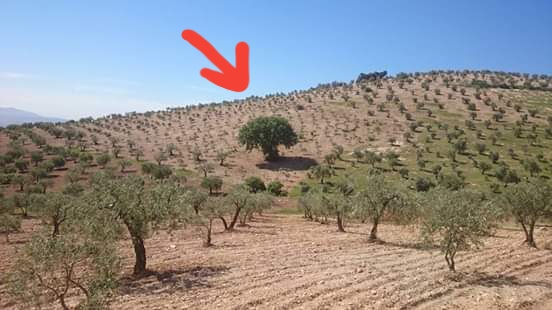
{"x": 296, "y": 163}
{"x": 170, "y": 281}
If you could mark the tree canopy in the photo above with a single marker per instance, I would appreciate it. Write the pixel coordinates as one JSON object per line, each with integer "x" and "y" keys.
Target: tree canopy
{"x": 267, "y": 133}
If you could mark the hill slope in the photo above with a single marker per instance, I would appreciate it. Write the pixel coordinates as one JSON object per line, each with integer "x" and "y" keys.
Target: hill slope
{"x": 489, "y": 120}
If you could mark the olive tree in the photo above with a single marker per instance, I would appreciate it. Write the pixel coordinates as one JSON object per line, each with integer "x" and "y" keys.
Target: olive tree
{"x": 321, "y": 172}
{"x": 380, "y": 197}
{"x": 528, "y": 202}
{"x": 8, "y": 222}
{"x": 267, "y": 133}
{"x": 237, "y": 200}
{"x": 54, "y": 209}
{"x": 255, "y": 184}
{"x": 256, "y": 204}
{"x": 51, "y": 269}
{"x": 212, "y": 208}
{"x": 459, "y": 219}
{"x": 212, "y": 183}
{"x": 137, "y": 206}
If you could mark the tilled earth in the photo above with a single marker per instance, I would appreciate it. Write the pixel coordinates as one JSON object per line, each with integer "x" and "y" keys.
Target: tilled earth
{"x": 285, "y": 262}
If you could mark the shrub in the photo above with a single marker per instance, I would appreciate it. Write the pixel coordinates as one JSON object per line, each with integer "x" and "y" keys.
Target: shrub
{"x": 255, "y": 184}
{"x": 275, "y": 188}
{"x": 103, "y": 159}
{"x": 424, "y": 184}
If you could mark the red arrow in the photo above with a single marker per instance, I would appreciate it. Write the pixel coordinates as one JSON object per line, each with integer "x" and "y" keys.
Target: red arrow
{"x": 230, "y": 77}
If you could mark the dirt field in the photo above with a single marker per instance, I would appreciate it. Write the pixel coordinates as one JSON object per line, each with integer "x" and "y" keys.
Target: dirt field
{"x": 285, "y": 262}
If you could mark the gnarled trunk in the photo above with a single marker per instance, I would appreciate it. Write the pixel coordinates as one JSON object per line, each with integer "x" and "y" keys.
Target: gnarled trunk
{"x": 224, "y": 222}
{"x": 234, "y": 219}
{"x": 529, "y": 234}
{"x": 374, "y": 230}
{"x": 208, "y": 236}
{"x": 340, "y": 226}
{"x": 140, "y": 253}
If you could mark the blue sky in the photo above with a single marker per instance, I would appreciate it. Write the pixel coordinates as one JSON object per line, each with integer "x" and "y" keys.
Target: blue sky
{"x": 90, "y": 58}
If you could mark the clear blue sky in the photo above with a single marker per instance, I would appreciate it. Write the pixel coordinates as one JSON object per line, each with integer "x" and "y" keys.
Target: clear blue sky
{"x": 90, "y": 58}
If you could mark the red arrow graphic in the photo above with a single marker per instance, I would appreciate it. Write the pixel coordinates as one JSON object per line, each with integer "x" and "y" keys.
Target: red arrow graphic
{"x": 230, "y": 77}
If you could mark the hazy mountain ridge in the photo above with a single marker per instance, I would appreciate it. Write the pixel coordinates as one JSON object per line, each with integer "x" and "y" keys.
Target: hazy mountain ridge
{"x": 9, "y": 116}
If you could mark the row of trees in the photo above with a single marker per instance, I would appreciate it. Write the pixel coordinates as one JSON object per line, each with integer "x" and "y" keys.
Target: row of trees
{"x": 455, "y": 219}
{"x": 76, "y": 249}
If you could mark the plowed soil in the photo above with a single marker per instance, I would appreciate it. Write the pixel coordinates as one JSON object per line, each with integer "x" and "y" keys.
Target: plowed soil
{"x": 285, "y": 262}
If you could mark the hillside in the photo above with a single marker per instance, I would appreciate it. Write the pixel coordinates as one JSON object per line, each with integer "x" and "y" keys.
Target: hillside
{"x": 357, "y": 226}
{"x": 11, "y": 116}
{"x": 433, "y": 111}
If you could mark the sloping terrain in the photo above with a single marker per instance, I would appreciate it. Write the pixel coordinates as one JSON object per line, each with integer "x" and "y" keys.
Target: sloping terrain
{"x": 472, "y": 125}
{"x": 368, "y": 114}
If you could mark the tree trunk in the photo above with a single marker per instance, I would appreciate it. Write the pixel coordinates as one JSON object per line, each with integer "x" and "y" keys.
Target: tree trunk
{"x": 140, "y": 253}
{"x": 62, "y": 302}
{"x": 450, "y": 261}
{"x": 529, "y": 236}
{"x": 56, "y": 229}
{"x": 224, "y": 222}
{"x": 234, "y": 219}
{"x": 208, "y": 237}
{"x": 529, "y": 239}
{"x": 374, "y": 231}
{"x": 340, "y": 222}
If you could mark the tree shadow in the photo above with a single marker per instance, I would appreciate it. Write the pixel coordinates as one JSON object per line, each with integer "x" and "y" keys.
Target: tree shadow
{"x": 408, "y": 245}
{"x": 245, "y": 230}
{"x": 170, "y": 281}
{"x": 495, "y": 280}
{"x": 295, "y": 163}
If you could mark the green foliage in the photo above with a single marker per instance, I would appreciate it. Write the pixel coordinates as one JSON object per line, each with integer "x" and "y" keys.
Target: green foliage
{"x": 459, "y": 219}
{"x": 21, "y": 165}
{"x": 37, "y": 157}
{"x": 381, "y": 197}
{"x": 103, "y": 159}
{"x": 257, "y": 203}
{"x": 58, "y": 161}
{"x": 49, "y": 269}
{"x": 275, "y": 188}
{"x": 255, "y": 184}
{"x": 451, "y": 181}
{"x": 221, "y": 156}
{"x": 321, "y": 172}
{"x": 528, "y": 202}
{"x": 212, "y": 183}
{"x": 9, "y": 223}
{"x": 157, "y": 171}
{"x": 54, "y": 209}
{"x": 138, "y": 207}
{"x": 237, "y": 200}
{"x": 212, "y": 208}
{"x": 267, "y": 133}
{"x": 424, "y": 184}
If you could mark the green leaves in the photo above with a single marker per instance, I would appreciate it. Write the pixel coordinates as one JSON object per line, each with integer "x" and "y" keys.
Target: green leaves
{"x": 267, "y": 133}
{"x": 527, "y": 202}
{"x": 459, "y": 219}
{"x": 51, "y": 267}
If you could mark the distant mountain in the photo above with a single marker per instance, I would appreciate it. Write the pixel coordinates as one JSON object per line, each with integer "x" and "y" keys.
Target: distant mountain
{"x": 9, "y": 116}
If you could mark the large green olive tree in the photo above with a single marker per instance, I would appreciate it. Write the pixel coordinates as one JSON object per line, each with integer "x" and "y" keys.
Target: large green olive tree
{"x": 267, "y": 133}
